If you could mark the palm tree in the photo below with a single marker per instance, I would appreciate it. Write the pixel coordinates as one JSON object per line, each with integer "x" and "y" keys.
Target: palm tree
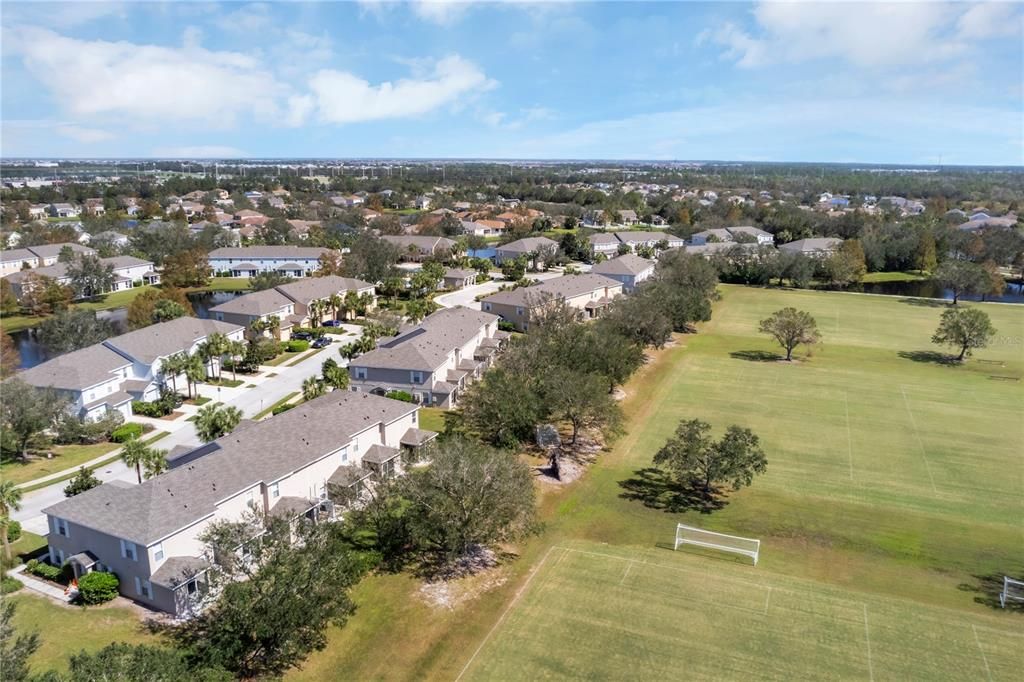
{"x": 236, "y": 350}
{"x": 155, "y": 464}
{"x": 316, "y": 312}
{"x": 337, "y": 303}
{"x": 172, "y": 366}
{"x": 10, "y": 501}
{"x": 352, "y": 302}
{"x": 195, "y": 371}
{"x": 214, "y": 421}
{"x": 134, "y": 454}
{"x": 364, "y": 302}
{"x": 215, "y": 346}
{"x": 312, "y": 388}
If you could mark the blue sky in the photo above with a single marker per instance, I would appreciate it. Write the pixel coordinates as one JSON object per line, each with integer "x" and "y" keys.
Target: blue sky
{"x": 903, "y": 82}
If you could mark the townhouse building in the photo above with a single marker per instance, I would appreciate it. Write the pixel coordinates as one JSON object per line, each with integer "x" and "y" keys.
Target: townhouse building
{"x": 435, "y": 360}
{"x": 629, "y": 269}
{"x": 128, "y": 272}
{"x": 300, "y": 464}
{"x": 107, "y": 376}
{"x": 247, "y": 261}
{"x": 587, "y": 293}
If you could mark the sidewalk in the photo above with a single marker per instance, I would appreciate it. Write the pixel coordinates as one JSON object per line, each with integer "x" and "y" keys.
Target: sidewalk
{"x": 39, "y": 586}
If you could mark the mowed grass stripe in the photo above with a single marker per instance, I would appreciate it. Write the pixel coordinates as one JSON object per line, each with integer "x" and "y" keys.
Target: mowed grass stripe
{"x": 668, "y": 620}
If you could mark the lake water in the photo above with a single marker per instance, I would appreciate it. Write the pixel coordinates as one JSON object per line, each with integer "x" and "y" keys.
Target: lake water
{"x": 931, "y": 289}
{"x": 489, "y": 252}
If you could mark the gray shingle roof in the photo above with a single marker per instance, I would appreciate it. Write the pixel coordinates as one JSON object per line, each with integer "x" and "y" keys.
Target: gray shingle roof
{"x": 258, "y": 252}
{"x": 313, "y": 288}
{"x": 167, "y": 338}
{"x": 16, "y": 255}
{"x": 415, "y": 437}
{"x": 423, "y": 243}
{"x": 76, "y": 370}
{"x": 53, "y": 250}
{"x": 528, "y": 245}
{"x": 378, "y": 454}
{"x": 813, "y": 244}
{"x": 177, "y": 570}
{"x": 628, "y": 264}
{"x": 263, "y": 453}
{"x": 567, "y": 286}
{"x": 427, "y": 345}
{"x": 255, "y": 304}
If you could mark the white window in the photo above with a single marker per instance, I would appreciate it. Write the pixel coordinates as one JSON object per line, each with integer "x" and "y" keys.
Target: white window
{"x": 158, "y": 551}
{"x": 128, "y": 550}
{"x": 360, "y": 372}
{"x": 275, "y": 490}
{"x": 416, "y": 377}
{"x": 252, "y": 499}
{"x": 62, "y": 527}
{"x": 487, "y": 306}
{"x": 519, "y": 311}
{"x": 414, "y": 415}
{"x": 344, "y": 455}
{"x": 143, "y": 588}
{"x": 60, "y": 557}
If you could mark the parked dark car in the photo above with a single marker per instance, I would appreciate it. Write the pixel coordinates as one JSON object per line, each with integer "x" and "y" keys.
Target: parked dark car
{"x": 301, "y": 336}
{"x": 332, "y": 323}
{"x": 321, "y": 342}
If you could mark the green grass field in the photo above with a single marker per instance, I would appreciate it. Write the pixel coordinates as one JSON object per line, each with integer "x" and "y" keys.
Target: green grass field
{"x": 894, "y": 485}
{"x": 894, "y": 493}
{"x": 598, "y": 612}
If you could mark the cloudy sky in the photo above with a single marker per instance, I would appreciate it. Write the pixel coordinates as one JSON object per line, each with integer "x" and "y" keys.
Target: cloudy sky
{"x": 901, "y": 82}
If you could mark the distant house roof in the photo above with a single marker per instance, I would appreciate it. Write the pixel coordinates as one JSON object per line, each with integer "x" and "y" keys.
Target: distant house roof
{"x": 528, "y": 245}
{"x": 256, "y": 304}
{"x": 17, "y": 255}
{"x": 424, "y": 244}
{"x": 628, "y": 264}
{"x": 310, "y": 289}
{"x": 426, "y": 346}
{"x": 813, "y": 245}
{"x": 567, "y": 286}
{"x": 263, "y": 453}
{"x": 459, "y": 273}
{"x": 276, "y": 252}
{"x": 53, "y": 250}
{"x": 639, "y": 236}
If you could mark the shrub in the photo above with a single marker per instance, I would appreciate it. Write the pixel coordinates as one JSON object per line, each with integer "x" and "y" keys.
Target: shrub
{"x": 144, "y": 409}
{"x": 506, "y": 326}
{"x": 282, "y": 408}
{"x": 44, "y": 570}
{"x": 13, "y": 530}
{"x": 297, "y": 346}
{"x": 9, "y": 584}
{"x": 126, "y": 432}
{"x": 85, "y": 480}
{"x": 262, "y": 350}
{"x": 404, "y": 396}
{"x": 97, "y": 587}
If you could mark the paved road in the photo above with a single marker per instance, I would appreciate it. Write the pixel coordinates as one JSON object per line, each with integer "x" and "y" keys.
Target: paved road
{"x": 250, "y": 400}
{"x": 467, "y": 296}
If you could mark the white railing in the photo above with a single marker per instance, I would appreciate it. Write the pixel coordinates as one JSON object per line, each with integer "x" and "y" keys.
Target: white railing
{"x": 689, "y": 535}
{"x": 1013, "y": 590}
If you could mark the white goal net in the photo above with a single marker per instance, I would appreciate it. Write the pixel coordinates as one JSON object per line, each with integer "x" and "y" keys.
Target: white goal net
{"x": 689, "y": 535}
{"x": 1013, "y": 590}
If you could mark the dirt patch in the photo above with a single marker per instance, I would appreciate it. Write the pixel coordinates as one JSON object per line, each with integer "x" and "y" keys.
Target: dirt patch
{"x": 464, "y": 581}
{"x": 619, "y": 394}
{"x": 573, "y": 460}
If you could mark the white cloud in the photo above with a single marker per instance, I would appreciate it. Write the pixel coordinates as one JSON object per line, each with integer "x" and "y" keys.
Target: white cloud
{"x": 63, "y": 14}
{"x": 498, "y": 119}
{"x": 145, "y": 83}
{"x": 199, "y": 152}
{"x": 448, "y": 12}
{"x": 990, "y": 19}
{"x": 83, "y": 134}
{"x": 342, "y": 97}
{"x": 252, "y": 18}
{"x": 864, "y": 34}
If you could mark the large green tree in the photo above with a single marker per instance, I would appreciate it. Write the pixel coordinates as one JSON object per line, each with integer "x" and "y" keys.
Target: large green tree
{"x": 962, "y": 278}
{"x": 137, "y": 455}
{"x": 28, "y": 412}
{"x": 10, "y": 501}
{"x": 90, "y": 276}
{"x": 15, "y": 649}
{"x": 694, "y": 458}
{"x": 120, "y": 662}
{"x": 503, "y": 408}
{"x": 277, "y": 607}
{"x": 73, "y": 329}
{"x": 470, "y": 496}
{"x": 965, "y": 329}
{"x": 791, "y": 328}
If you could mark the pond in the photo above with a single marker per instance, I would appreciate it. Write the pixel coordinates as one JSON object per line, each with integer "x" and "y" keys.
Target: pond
{"x": 489, "y": 252}
{"x": 927, "y": 288}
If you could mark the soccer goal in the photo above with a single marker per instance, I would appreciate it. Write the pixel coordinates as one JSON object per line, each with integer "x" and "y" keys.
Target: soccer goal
{"x": 688, "y": 535}
{"x": 1013, "y": 590}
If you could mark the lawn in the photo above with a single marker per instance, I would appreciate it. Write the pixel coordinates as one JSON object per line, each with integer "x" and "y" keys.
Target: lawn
{"x": 66, "y": 456}
{"x": 26, "y": 547}
{"x": 894, "y": 488}
{"x": 432, "y": 418}
{"x": 874, "y": 277}
{"x": 89, "y": 628}
{"x": 227, "y": 284}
